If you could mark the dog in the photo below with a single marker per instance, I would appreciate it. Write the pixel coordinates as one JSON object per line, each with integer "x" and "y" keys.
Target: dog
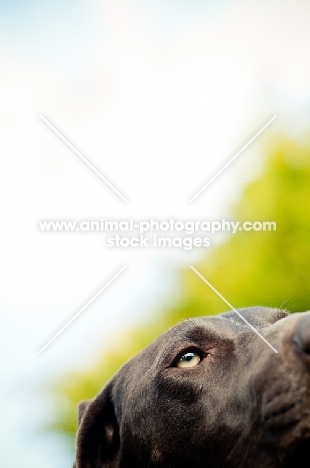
{"x": 208, "y": 393}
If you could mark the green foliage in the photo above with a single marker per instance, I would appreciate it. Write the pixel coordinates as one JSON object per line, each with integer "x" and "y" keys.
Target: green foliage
{"x": 249, "y": 268}
{"x": 267, "y": 268}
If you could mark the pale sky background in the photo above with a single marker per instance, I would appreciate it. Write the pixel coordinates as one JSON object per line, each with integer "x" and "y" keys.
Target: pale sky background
{"x": 158, "y": 95}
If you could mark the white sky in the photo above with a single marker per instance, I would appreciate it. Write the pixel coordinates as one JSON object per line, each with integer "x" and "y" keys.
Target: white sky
{"x": 158, "y": 96}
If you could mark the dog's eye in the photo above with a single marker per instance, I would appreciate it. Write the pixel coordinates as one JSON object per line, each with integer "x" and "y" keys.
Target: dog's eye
{"x": 191, "y": 359}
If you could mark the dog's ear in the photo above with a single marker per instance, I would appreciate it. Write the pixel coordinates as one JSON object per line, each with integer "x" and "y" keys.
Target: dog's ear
{"x": 98, "y": 440}
{"x": 82, "y": 407}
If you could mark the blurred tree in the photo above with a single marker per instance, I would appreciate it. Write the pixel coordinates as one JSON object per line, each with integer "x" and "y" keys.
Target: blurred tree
{"x": 248, "y": 268}
{"x": 268, "y": 268}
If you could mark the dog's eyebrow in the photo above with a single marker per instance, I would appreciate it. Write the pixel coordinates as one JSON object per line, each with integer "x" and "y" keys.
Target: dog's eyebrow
{"x": 190, "y": 320}
{"x": 200, "y": 336}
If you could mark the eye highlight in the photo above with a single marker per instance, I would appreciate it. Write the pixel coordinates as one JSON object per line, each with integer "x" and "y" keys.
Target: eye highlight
{"x": 190, "y": 359}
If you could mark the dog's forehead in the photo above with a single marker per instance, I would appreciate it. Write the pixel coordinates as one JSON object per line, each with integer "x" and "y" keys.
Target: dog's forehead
{"x": 195, "y": 327}
{"x": 233, "y": 320}
{"x": 190, "y": 331}
{"x": 214, "y": 329}
{"x": 221, "y": 326}
{"x": 194, "y": 331}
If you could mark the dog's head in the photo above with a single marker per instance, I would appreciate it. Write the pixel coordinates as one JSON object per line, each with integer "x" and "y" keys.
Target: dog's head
{"x": 207, "y": 393}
